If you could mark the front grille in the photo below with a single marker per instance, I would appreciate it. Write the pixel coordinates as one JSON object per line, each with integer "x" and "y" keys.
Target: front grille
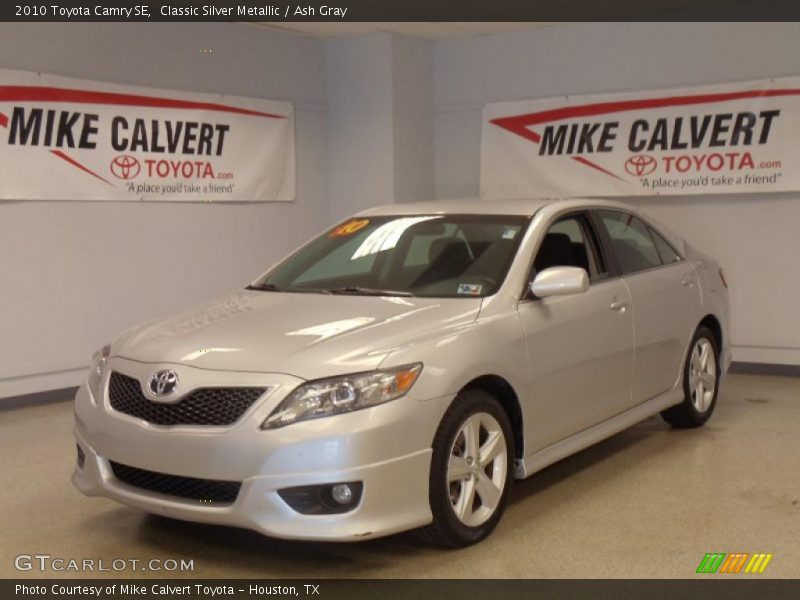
{"x": 207, "y": 491}
{"x": 204, "y": 406}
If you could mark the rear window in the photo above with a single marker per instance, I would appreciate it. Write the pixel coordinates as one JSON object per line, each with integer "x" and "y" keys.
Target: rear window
{"x": 633, "y": 244}
{"x": 665, "y": 250}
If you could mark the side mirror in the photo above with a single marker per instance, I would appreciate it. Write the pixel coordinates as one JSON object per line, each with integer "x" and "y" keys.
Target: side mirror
{"x": 560, "y": 281}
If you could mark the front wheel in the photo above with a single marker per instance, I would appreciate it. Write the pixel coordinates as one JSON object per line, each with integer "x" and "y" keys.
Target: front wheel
{"x": 700, "y": 383}
{"x": 471, "y": 470}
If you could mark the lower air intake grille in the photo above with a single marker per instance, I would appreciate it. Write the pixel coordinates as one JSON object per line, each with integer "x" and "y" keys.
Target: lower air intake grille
{"x": 207, "y": 491}
{"x": 204, "y": 406}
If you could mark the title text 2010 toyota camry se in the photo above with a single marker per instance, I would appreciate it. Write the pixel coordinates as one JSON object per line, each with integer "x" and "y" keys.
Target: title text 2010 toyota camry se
{"x": 399, "y": 371}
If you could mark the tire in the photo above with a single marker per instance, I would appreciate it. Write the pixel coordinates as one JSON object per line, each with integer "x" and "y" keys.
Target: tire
{"x": 699, "y": 374}
{"x": 456, "y": 521}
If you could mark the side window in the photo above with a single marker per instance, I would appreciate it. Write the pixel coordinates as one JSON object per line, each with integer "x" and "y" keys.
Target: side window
{"x": 665, "y": 251}
{"x": 631, "y": 239}
{"x": 570, "y": 243}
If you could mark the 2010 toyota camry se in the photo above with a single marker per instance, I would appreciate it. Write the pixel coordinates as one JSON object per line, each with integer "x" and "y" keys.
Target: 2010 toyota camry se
{"x": 400, "y": 370}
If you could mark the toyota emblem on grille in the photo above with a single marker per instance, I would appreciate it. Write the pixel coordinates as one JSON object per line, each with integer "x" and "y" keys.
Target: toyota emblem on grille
{"x": 163, "y": 383}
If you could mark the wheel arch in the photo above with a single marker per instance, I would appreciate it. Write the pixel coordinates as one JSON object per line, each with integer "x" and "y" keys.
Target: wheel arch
{"x": 507, "y": 396}
{"x": 714, "y": 325}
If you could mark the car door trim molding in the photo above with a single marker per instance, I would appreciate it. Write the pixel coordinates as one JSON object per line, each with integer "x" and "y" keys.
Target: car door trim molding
{"x": 553, "y": 453}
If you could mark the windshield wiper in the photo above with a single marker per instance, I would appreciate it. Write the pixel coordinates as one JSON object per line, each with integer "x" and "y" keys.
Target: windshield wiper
{"x": 354, "y": 290}
{"x": 364, "y": 291}
{"x": 263, "y": 287}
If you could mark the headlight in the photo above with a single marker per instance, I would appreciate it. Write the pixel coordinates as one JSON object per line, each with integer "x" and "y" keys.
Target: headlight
{"x": 326, "y": 397}
{"x": 97, "y": 370}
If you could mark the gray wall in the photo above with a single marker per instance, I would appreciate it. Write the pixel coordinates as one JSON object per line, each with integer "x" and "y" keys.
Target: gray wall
{"x": 379, "y": 119}
{"x": 360, "y": 88}
{"x": 73, "y": 275}
{"x": 380, "y": 122}
{"x": 413, "y": 119}
{"x": 755, "y": 237}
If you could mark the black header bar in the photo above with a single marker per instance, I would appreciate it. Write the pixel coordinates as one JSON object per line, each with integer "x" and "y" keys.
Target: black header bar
{"x": 398, "y": 10}
{"x": 707, "y": 587}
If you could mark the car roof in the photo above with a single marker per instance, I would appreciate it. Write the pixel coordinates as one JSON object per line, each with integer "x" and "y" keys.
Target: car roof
{"x": 517, "y": 206}
{"x": 487, "y": 206}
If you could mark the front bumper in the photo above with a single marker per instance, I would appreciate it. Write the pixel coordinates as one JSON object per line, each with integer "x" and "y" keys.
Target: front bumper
{"x": 386, "y": 447}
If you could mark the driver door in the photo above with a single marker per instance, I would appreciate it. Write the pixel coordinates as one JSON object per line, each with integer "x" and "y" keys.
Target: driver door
{"x": 579, "y": 348}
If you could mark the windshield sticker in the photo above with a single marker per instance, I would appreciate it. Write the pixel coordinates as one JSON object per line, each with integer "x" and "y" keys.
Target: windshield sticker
{"x": 349, "y": 228}
{"x": 470, "y": 289}
{"x": 510, "y": 233}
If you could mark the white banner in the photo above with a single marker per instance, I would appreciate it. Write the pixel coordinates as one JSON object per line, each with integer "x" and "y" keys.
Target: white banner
{"x": 732, "y": 138}
{"x": 70, "y": 139}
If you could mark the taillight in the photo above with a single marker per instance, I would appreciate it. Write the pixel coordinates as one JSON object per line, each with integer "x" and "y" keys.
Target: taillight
{"x": 722, "y": 277}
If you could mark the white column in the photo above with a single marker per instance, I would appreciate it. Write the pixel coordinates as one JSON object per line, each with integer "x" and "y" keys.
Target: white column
{"x": 380, "y": 122}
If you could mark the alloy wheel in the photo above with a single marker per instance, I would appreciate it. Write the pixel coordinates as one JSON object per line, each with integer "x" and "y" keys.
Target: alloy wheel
{"x": 477, "y": 469}
{"x": 702, "y": 375}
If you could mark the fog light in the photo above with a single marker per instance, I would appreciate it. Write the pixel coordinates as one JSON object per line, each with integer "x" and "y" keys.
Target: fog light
{"x": 342, "y": 493}
{"x": 324, "y": 499}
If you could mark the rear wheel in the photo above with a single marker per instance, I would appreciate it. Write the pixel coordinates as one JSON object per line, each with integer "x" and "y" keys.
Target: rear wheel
{"x": 471, "y": 472}
{"x": 700, "y": 383}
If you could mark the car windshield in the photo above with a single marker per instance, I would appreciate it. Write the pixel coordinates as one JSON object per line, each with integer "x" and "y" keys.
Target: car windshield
{"x": 443, "y": 256}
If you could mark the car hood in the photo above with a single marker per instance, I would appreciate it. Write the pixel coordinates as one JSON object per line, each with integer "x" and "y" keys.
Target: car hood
{"x": 305, "y": 335}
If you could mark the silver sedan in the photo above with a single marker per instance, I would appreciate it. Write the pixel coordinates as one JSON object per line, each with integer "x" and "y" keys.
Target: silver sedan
{"x": 400, "y": 370}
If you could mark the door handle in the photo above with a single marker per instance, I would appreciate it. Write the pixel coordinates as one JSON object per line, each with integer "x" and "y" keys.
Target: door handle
{"x": 619, "y": 305}
{"x": 687, "y": 282}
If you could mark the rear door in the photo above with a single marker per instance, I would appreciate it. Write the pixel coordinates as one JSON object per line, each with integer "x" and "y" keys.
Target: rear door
{"x": 666, "y": 298}
{"x": 579, "y": 348}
